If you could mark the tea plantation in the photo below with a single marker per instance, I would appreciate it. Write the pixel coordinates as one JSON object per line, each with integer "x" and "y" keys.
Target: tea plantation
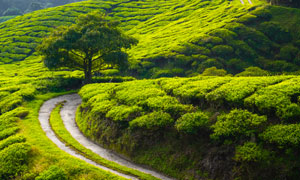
{"x": 220, "y": 127}
{"x": 192, "y": 127}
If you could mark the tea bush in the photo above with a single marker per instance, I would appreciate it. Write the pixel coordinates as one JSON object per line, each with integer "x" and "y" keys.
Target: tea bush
{"x": 14, "y": 159}
{"x": 192, "y": 122}
{"x": 237, "y": 123}
{"x": 156, "y": 119}
{"x": 54, "y": 172}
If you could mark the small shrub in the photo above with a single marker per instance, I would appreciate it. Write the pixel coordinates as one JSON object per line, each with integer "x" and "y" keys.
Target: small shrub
{"x": 237, "y": 123}
{"x": 289, "y": 112}
{"x": 225, "y": 34}
{"x": 222, "y": 50}
{"x": 262, "y": 14}
{"x": 253, "y": 71}
{"x": 250, "y": 152}
{"x": 206, "y": 39}
{"x": 275, "y": 32}
{"x": 11, "y": 140}
{"x": 208, "y": 64}
{"x": 13, "y": 160}
{"x": 123, "y": 113}
{"x": 192, "y": 122}
{"x": 288, "y": 53}
{"x": 283, "y": 135}
{"x": 247, "y": 19}
{"x": 156, "y": 119}
{"x": 54, "y": 172}
{"x": 213, "y": 71}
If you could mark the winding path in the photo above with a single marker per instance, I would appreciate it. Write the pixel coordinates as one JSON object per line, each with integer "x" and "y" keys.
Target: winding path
{"x": 67, "y": 113}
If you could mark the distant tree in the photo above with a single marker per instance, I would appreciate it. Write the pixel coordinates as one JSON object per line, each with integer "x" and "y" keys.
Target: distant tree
{"x": 92, "y": 44}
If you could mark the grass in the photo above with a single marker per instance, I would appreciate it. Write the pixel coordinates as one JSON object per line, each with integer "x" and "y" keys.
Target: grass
{"x": 62, "y": 133}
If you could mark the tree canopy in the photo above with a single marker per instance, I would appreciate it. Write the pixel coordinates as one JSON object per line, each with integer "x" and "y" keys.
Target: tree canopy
{"x": 92, "y": 44}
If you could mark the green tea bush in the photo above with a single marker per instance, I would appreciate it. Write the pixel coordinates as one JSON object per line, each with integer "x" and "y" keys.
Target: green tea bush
{"x": 14, "y": 160}
{"x": 225, "y": 34}
{"x": 196, "y": 90}
{"x": 288, "y": 53}
{"x": 237, "y": 123}
{"x": 102, "y": 108}
{"x": 54, "y": 172}
{"x": 166, "y": 103}
{"x": 191, "y": 123}
{"x": 11, "y": 140}
{"x": 253, "y": 71}
{"x": 123, "y": 112}
{"x": 283, "y": 135}
{"x": 272, "y": 99}
{"x": 8, "y": 132}
{"x": 208, "y": 64}
{"x": 250, "y": 152}
{"x": 213, "y": 71}
{"x": 280, "y": 66}
{"x": 262, "y": 13}
{"x": 222, "y": 50}
{"x": 247, "y": 19}
{"x": 156, "y": 119}
{"x": 289, "y": 112}
{"x": 275, "y": 32}
{"x": 206, "y": 39}
{"x": 234, "y": 92}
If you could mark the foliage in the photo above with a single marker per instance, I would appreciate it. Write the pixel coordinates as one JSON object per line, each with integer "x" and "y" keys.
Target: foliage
{"x": 54, "y": 172}
{"x": 123, "y": 113}
{"x": 192, "y": 122}
{"x": 237, "y": 123}
{"x": 250, "y": 152}
{"x": 14, "y": 159}
{"x": 253, "y": 71}
{"x": 156, "y": 119}
{"x": 92, "y": 44}
{"x": 282, "y": 135}
{"x": 213, "y": 71}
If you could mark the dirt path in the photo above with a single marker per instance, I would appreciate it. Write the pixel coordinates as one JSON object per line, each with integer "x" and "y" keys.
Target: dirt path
{"x": 68, "y": 115}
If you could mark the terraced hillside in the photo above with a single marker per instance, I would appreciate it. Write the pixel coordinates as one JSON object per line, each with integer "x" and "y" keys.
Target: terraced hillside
{"x": 176, "y": 38}
{"x": 201, "y": 127}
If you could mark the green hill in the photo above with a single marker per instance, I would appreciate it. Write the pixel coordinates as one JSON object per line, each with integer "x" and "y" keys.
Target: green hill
{"x": 177, "y": 38}
{"x": 200, "y": 127}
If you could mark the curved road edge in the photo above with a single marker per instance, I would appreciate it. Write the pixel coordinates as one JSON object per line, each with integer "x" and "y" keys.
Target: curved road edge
{"x": 44, "y": 115}
{"x": 68, "y": 113}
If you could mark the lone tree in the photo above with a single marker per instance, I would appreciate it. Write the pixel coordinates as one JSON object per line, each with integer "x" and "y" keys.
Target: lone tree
{"x": 93, "y": 43}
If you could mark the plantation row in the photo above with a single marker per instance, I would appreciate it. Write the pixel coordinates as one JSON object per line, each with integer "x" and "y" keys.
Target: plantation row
{"x": 258, "y": 116}
{"x": 20, "y": 36}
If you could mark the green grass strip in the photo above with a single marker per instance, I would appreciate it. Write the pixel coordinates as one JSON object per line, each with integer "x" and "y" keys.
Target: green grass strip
{"x": 45, "y": 153}
{"x": 62, "y": 133}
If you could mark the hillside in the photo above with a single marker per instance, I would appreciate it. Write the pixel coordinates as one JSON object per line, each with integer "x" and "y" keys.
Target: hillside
{"x": 200, "y": 127}
{"x": 177, "y": 39}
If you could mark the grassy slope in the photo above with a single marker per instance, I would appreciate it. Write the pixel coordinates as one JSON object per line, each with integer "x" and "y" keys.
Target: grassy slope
{"x": 226, "y": 142}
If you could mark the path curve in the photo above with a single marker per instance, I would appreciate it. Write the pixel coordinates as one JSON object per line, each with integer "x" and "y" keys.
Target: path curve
{"x": 72, "y": 101}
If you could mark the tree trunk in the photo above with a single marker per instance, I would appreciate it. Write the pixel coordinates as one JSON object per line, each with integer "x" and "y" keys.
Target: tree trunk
{"x": 88, "y": 72}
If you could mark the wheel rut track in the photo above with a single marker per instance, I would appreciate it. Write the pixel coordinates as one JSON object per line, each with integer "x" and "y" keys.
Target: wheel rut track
{"x": 72, "y": 101}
